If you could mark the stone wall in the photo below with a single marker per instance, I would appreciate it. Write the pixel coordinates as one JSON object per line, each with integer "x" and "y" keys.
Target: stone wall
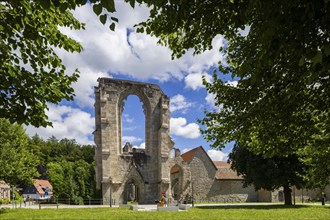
{"x": 207, "y": 188}
{"x": 231, "y": 191}
{"x": 311, "y": 195}
{"x": 202, "y": 175}
{"x": 113, "y": 167}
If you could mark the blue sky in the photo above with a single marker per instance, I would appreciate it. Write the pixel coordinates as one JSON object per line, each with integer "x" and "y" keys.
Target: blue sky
{"x": 124, "y": 54}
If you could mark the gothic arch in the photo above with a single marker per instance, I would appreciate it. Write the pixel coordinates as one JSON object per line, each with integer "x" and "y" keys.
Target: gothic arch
{"x": 133, "y": 187}
{"x": 146, "y": 110}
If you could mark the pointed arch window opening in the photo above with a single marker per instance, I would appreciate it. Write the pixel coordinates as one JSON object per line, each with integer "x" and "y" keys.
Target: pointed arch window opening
{"x": 132, "y": 120}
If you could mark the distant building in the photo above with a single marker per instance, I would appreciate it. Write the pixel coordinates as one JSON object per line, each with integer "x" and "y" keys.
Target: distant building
{"x": 4, "y": 190}
{"x": 40, "y": 190}
{"x": 211, "y": 181}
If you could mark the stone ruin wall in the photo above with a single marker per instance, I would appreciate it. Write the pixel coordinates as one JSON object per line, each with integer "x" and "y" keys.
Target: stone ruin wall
{"x": 113, "y": 167}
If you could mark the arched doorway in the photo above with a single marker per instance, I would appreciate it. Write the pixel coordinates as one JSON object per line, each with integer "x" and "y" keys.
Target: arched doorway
{"x": 176, "y": 181}
{"x": 132, "y": 192}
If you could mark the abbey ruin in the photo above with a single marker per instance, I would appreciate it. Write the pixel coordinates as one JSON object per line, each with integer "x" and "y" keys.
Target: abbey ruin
{"x": 120, "y": 172}
{"x": 142, "y": 175}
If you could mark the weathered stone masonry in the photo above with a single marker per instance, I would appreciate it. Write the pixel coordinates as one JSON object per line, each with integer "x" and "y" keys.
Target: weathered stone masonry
{"x": 126, "y": 174}
{"x": 115, "y": 169}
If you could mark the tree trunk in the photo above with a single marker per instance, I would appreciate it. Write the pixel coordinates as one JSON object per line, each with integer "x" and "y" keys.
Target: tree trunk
{"x": 287, "y": 196}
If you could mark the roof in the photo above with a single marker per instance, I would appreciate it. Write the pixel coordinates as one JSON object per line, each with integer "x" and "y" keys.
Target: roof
{"x": 42, "y": 185}
{"x": 188, "y": 156}
{"x": 221, "y": 164}
{"x": 224, "y": 171}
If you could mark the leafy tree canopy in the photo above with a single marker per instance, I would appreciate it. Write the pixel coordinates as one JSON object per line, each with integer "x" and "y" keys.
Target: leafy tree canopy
{"x": 31, "y": 73}
{"x": 268, "y": 173}
{"x": 281, "y": 103}
{"x": 17, "y": 162}
{"x": 69, "y": 166}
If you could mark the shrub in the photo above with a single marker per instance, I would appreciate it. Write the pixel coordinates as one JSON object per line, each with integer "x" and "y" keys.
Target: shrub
{"x": 4, "y": 201}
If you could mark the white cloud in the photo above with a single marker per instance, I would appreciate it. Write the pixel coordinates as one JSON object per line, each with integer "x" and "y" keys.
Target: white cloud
{"x": 232, "y": 83}
{"x": 210, "y": 99}
{"x": 108, "y": 53}
{"x": 131, "y": 139}
{"x": 131, "y": 128}
{"x": 127, "y": 118}
{"x": 178, "y": 102}
{"x": 194, "y": 81}
{"x": 84, "y": 87}
{"x": 68, "y": 122}
{"x": 179, "y": 127}
{"x": 216, "y": 155}
{"x": 245, "y": 31}
{"x": 127, "y": 52}
{"x": 141, "y": 146}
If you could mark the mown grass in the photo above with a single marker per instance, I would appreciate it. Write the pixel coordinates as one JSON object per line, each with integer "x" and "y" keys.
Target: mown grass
{"x": 218, "y": 212}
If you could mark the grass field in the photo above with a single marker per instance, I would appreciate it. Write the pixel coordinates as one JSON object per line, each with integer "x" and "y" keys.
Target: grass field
{"x": 220, "y": 212}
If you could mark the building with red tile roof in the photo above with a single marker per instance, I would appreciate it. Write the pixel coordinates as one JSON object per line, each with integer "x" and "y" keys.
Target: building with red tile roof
{"x": 40, "y": 190}
{"x": 211, "y": 180}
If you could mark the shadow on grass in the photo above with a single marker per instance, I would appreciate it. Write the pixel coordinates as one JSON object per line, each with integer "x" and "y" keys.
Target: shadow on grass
{"x": 264, "y": 207}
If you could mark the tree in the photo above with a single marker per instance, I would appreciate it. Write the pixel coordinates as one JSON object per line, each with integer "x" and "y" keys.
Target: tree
{"x": 56, "y": 176}
{"x": 31, "y": 73}
{"x": 17, "y": 162}
{"x": 69, "y": 167}
{"x": 268, "y": 173}
{"x": 41, "y": 150}
{"x": 84, "y": 177}
{"x": 281, "y": 103}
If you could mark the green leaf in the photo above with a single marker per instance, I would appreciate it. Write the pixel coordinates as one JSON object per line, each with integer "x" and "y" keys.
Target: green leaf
{"x": 140, "y": 30}
{"x": 97, "y": 8}
{"x": 109, "y": 5}
{"x": 114, "y": 19}
{"x": 327, "y": 49}
{"x": 132, "y": 3}
{"x": 317, "y": 58}
{"x": 45, "y": 4}
{"x": 103, "y": 18}
{"x": 302, "y": 61}
{"x": 112, "y": 26}
{"x": 63, "y": 7}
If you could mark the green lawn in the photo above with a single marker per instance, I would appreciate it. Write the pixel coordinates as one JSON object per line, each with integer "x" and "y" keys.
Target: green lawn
{"x": 221, "y": 212}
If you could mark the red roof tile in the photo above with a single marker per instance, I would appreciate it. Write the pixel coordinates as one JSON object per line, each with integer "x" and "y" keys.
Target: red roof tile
{"x": 188, "y": 155}
{"x": 224, "y": 171}
{"x": 41, "y": 185}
